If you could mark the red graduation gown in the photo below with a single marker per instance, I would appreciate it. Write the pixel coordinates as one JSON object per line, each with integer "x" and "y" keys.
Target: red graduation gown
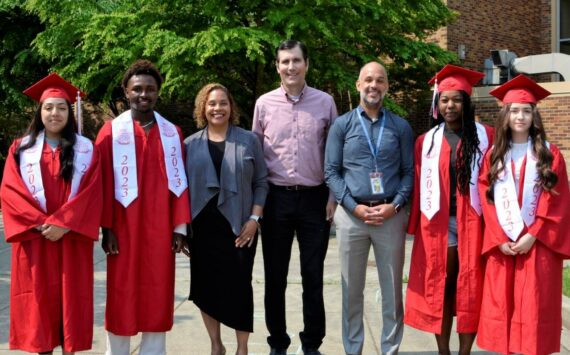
{"x": 51, "y": 293}
{"x": 140, "y": 279}
{"x": 426, "y": 285}
{"x": 522, "y": 295}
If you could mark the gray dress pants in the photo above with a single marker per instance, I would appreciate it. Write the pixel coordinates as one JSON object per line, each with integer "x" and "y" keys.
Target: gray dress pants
{"x": 388, "y": 242}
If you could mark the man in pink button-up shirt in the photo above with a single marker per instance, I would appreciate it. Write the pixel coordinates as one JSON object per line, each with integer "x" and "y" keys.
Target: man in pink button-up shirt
{"x": 292, "y": 123}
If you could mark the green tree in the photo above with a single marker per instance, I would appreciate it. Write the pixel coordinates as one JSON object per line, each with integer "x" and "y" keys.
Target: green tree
{"x": 19, "y": 66}
{"x": 194, "y": 42}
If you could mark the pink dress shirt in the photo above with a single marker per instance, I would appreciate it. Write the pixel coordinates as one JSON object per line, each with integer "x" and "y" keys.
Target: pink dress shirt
{"x": 293, "y": 135}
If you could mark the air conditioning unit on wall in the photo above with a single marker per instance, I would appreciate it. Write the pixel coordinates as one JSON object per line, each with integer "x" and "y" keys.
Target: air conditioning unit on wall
{"x": 504, "y": 65}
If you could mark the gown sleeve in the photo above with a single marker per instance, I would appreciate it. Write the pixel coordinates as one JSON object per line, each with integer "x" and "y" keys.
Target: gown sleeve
{"x": 415, "y": 213}
{"x": 21, "y": 213}
{"x": 552, "y": 211}
{"x": 105, "y": 147}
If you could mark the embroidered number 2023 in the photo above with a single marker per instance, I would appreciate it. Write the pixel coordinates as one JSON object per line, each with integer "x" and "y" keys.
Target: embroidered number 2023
{"x": 174, "y": 162}
{"x": 429, "y": 188}
{"x": 31, "y": 181}
{"x": 124, "y": 174}
{"x": 534, "y": 201}
{"x": 506, "y": 205}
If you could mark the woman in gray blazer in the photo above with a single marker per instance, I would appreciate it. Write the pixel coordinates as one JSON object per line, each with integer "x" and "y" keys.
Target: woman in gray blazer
{"x": 228, "y": 185}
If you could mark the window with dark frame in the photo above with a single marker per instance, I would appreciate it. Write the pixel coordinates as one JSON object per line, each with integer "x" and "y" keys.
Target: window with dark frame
{"x": 564, "y": 23}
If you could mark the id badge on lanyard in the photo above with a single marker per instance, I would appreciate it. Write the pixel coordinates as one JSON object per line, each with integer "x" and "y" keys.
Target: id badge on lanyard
{"x": 376, "y": 177}
{"x": 376, "y": 183}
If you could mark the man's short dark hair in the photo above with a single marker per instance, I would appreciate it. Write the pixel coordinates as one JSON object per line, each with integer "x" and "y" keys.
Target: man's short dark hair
{"x": 140, "y": 67}
{"x": 290, "y": 44}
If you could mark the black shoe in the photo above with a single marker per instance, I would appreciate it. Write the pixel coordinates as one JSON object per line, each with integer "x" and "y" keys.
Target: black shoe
{"x": 311, "y": 351}
{"x": 278, "y": 351}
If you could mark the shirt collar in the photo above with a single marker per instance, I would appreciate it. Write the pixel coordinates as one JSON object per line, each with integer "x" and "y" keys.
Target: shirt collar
{"x": 301, "y": 95}
{"x": 362, "y": 113}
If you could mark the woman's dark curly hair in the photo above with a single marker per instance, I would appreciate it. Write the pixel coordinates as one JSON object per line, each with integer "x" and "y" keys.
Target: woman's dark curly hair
{"x": 67, "y": 141}
{"x": 202, "y": 99}
{"x": 469, "y": 143}
{"x": 547, "y": 178}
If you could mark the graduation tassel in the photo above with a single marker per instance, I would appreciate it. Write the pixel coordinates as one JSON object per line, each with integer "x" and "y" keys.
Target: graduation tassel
{"x": 78, "y": 113}
{"x": 433, "y": 109}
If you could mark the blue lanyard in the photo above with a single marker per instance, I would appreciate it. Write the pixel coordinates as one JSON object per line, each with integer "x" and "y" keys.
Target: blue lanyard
{"x": 372, "y": 150}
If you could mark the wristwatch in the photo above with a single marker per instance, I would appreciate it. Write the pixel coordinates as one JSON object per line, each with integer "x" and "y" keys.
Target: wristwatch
{"x": 397, "y": 207}
{"x": 255, "y": 218}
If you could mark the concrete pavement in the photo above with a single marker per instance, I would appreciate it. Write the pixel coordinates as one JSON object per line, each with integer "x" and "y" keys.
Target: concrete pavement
{"x": 189, "y": 335}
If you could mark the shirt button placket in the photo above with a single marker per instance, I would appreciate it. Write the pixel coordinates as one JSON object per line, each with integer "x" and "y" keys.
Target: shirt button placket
{"x": 296, "y": 130}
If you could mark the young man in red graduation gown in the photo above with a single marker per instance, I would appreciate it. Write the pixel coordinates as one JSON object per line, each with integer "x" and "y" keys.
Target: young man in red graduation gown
{"x": 524, "y": 191}
{"x": 146, "y": 209}
{"x": 446, "y": 274}
{"x": 51, "y": 203}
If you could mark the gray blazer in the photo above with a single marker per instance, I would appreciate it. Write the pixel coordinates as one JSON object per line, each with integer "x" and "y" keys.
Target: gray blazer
{"x": 243, "y": 177}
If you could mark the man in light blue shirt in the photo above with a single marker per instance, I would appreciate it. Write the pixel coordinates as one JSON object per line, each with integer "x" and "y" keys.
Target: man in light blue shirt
{"x": 369, "y": 167}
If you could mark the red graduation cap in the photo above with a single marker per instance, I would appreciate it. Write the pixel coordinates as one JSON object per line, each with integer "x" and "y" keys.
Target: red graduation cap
{"x": 452, "y": 77}
{"x": 53, "y": 85}
{"x": 521, "y": 90}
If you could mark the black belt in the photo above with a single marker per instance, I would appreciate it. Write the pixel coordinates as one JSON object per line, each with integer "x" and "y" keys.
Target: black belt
{"x": 373, "y": 203}
{"x": 295, "y": 187}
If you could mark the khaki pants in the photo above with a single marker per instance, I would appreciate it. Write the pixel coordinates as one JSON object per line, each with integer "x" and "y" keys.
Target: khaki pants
{"x": 388, "y": 242}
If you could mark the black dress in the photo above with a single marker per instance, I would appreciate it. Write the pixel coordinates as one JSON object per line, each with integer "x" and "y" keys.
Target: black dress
{"x": 220, "y": 283}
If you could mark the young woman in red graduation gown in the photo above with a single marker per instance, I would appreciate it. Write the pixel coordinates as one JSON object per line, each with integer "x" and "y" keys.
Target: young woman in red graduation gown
{"x": 524, "y": 192}
{"x": 51, "y": 207}
{"x": 446, "y": 274}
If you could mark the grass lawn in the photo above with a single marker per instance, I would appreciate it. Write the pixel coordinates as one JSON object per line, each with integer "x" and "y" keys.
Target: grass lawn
{"x": 566, "y": 282}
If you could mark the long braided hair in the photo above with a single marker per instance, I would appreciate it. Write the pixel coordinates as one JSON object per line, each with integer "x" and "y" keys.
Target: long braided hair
{"x": 469, "y": 142}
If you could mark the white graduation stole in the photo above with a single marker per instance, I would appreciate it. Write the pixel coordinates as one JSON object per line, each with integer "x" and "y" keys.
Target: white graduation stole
{"x": 173, "y": 162}
{"x": 31, "y": 172}
{"x": 511, "y": 216}
{"x": 125, "y": 160}
{"x": 429, "y": 176}
{"x": 83, "y": 149}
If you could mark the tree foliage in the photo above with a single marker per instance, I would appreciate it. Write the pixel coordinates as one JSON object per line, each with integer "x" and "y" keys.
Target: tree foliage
{"x": 233, "y": 42}
{"x": 193, "y": 42}
{"x": 19, "y": 66}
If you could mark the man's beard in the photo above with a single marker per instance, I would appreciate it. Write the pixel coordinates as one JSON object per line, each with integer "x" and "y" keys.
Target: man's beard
{"x": 375, "y": 102}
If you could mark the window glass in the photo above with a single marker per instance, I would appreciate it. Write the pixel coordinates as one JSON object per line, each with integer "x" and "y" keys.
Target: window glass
{"x": 564, "y": 19}
{"x": 565, "y": 47}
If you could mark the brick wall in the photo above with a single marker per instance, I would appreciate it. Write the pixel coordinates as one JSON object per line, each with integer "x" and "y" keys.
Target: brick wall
{"x": 545, "y": 30}
{"x": 484, "y": 25}
{"x": 554, "y": 110}
{"x": 521, "y": 27}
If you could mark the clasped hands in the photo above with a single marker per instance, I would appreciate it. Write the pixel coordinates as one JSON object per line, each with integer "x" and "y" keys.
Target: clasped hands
{"x": 521, "y": 246}
{"x": 51, "y": 232}
{"x": 374, "y": 215}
